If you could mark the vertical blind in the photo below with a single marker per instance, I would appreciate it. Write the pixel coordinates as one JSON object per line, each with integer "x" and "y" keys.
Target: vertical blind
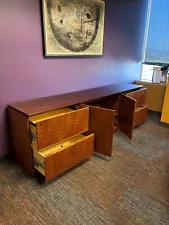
{"x": 157, "y": 44}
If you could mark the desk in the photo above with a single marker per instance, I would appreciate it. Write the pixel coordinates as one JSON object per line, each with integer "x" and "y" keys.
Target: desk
{"x": 52, "y": 134}
{"x": 155, "y": 95}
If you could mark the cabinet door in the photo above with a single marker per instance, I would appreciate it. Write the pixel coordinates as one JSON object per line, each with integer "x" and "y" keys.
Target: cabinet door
{"x": 126, "y": 115}
{"x": 101, "y": 123}
{"x": 139, "y": 96}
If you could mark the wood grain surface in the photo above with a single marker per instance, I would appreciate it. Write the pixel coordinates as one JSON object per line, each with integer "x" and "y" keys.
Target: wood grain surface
{"x": 139, "y": 96}
{"x": 140, "y": 115}
{"x": 101, "y": 123}
{"x": 41, "y": 105}
{"x": 63, "y": 160}
{"x": 21, "y": 143}
{"x": 62, "y": 127}
{"x": 112, "y": 102}
{"x": 155, "y": 95}
{"x": 126, "y": 115}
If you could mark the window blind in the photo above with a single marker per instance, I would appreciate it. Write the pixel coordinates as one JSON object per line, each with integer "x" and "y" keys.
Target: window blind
{"x": 157, "y": 45}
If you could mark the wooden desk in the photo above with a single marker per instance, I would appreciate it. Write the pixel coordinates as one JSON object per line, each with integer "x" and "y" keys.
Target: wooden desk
{"x": 155, "y": 95}
{"x": 52, "y": 134}
{"x": 41, "y": 105}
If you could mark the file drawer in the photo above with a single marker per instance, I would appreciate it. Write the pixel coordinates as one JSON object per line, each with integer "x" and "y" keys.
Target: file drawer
{"x": 50, "y": 128}
{"x": 60, "y": 157}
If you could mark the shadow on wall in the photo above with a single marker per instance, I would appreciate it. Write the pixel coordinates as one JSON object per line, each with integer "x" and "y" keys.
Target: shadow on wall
{"x": 118, "y": 12}
{"x": 5, "y": 131}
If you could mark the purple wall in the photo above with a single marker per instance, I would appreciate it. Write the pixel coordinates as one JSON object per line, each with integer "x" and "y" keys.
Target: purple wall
{"x": 25, "y": 74}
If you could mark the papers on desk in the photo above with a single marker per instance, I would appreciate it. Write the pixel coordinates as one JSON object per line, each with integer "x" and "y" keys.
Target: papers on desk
{"x": 156, "y": 74}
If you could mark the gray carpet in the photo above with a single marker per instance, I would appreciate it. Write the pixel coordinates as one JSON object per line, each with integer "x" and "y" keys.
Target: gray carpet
{"x": 130, "y": 188}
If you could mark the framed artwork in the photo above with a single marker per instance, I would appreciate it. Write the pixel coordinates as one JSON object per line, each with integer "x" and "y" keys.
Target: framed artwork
{"x": 73, "y": 27}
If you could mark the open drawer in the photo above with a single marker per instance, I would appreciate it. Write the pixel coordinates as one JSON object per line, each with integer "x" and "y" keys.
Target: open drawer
{"x": 58, "y": 158}
{"x": 130, "y": 113}
{"x": 139, "y": 96}
{"x": 140, "y": 115}
{"x": 58, "y": 125}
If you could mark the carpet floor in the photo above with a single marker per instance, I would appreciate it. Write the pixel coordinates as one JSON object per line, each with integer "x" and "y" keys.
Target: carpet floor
{"x": 130, "y": 188}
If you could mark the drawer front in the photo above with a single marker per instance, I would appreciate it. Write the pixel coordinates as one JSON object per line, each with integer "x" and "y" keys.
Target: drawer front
{"x": 140, "y": 115}
{"x": 61, "y": 127}
{"x": 139, "y": 96}
{"x": 64, "y": 156}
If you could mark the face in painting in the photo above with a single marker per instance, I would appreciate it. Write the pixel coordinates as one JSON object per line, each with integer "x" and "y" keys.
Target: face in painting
{"x": 74, "y": 23}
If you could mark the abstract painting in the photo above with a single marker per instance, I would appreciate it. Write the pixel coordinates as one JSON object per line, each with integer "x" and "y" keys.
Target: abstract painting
{"x": 73, "y": 27}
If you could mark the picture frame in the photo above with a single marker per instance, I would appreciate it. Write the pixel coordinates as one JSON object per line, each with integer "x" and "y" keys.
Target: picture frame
{"x": 73, "y": 27}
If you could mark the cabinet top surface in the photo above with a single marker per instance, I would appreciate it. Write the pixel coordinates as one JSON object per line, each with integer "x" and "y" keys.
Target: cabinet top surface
{"x": 40, "y": 105}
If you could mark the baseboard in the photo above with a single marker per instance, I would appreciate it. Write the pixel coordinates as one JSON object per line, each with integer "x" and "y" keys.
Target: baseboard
{"x": 6, "y": 157}
{"x": 163, "y": 124}
{"x": 154, "y": 113}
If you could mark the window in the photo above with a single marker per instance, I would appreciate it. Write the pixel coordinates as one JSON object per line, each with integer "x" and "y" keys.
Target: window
{"x": 157, "y": 37}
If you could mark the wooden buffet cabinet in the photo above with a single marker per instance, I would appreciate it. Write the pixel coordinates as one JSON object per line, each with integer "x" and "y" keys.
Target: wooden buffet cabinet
{"x": 52, "y": 134}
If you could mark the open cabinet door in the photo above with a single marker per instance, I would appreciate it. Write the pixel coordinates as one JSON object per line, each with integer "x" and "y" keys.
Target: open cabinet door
{"x": 126, "y": 115}
{"x": 101, "y": 124}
